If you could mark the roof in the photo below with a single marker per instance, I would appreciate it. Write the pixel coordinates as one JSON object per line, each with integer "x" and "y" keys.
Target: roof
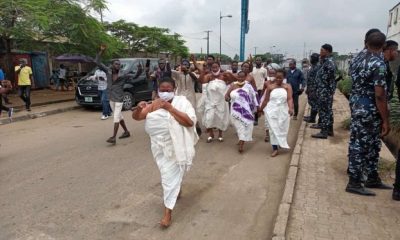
{"x": 394, "y": 7}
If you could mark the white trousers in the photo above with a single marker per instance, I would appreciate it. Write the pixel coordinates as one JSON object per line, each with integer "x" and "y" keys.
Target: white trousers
{"x": 117, "y": 111}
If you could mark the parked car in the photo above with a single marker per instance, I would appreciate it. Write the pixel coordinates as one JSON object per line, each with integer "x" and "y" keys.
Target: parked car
{"x": 135, "y": 90}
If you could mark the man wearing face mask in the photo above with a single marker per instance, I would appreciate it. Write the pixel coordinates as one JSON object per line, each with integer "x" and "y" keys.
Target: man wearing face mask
{"x": 185, "y": 81}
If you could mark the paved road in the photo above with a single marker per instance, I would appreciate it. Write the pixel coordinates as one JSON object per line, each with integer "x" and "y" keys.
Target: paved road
{"x": 60, "y": 180}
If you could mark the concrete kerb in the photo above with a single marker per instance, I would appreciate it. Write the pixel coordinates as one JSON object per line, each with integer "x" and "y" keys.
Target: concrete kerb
{"x": 281, "y": 220}
{"x": 38, "y": 115}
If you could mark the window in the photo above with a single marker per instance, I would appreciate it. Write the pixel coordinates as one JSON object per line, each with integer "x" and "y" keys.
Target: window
{"x": 390, "y": 19}
{"x": 396, "y": 16}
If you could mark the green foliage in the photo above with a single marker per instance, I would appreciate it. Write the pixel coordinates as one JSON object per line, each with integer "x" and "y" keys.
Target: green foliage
{"x": 346, "y": 124}
{"x": 276, "y": 58}
{"x": 236, "y": 57}
{"x": 224, "y": 59}
{"x": 345, "y": 86}
{"x": 147, "y": 39}
{"x": 395, "y": 111}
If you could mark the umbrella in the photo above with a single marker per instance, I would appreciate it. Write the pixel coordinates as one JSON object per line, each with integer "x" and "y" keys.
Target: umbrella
{"x": 76, "y": 58}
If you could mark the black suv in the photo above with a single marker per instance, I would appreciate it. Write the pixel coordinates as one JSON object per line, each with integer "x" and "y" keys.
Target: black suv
{"x": 135, "y": 89}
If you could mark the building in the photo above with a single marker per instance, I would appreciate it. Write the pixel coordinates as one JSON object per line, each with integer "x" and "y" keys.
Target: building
{"x": 393, "y": 30}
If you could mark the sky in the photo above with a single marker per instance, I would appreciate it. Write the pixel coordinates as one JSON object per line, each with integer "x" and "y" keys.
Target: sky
{"x": 290, "y": 27}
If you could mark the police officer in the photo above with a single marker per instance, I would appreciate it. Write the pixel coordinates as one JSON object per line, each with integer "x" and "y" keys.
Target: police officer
{"x": 296, "y": 79}
{"x": 325, "y": 91}
{"x": 369, "y": 116}
{"x": 311, "y": 90}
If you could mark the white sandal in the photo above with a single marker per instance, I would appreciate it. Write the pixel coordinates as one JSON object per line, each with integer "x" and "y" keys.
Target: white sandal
{"x": 209, "y": 139}
{"x": 220, "y": 139}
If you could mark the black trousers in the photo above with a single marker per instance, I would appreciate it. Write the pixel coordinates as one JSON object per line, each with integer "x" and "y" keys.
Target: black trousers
{"x": 296, "y": 103}
{"x": 2, "y": 107}
{"x": 24, "y": 93}
{"x": 397, "y": 181}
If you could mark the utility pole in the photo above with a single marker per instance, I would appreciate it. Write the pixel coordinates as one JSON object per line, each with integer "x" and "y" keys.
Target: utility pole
{"x": 255, "y": 51}
{"x": 208, "y": 41}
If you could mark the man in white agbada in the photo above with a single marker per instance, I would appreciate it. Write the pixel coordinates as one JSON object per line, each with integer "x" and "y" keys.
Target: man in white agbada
{"x": 277, "y": 107}
{"x": 170, "y": 122}
{"x": 216, "y": 109}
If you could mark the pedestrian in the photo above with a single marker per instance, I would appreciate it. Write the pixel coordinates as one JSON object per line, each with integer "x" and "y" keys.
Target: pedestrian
{"x": 296, "y": 80}
{"x": 163, "y": 70}
{"x": 62, "y": 73}
{"x": 185, "y": 81}
{"x": 2, "y": 78}
{"x": 25, "y": 81}
{"x": 208, "y": 64}
{"x": 278, "y": 107}
{"x": 101, "y": 78}
{"x": 234, "y": 67}
{"x": 369, "y": 117}
{"x": 270, "y": 79}
{"x": 326, "y": 86}
{"x": 216, "y": 109}
{"x": 170, "y": 122}
{"x": 260, "y": 75}
{"x": 5, "y": 87}
{"x": 115, "y": 90}
{"x": 311, "y": 89}
{"x": 244, "y": 104}
{"x": 390, "y": 54}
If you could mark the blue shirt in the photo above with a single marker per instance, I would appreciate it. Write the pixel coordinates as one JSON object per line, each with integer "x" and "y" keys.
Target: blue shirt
{"x": 1, "y": 75}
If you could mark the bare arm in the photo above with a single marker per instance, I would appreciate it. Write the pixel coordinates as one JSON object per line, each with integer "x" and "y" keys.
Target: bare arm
{"x": 266, "y": 99}
{"x": 290, "y": 98}
{"x": 140, "y": 113}
{"x": 228, "y": 93}
{"x": 229, "y": 77}
{"x": 98, "y": 62}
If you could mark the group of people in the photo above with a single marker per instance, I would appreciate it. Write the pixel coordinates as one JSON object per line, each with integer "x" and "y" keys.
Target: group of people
{"x": 24, "y": 83}
{"x": 372, "y": 88}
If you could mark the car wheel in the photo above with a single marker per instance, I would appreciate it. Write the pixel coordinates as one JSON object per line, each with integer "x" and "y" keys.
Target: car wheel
{"x": 128, "y": 101}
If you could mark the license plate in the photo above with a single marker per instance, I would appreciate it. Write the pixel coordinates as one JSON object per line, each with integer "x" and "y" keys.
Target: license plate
{"x": 88, "y": 99}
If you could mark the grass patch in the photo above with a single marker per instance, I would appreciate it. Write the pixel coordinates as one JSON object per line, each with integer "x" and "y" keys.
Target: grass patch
{"x": 344, "y": 86}
{"x": 386, "y": 169}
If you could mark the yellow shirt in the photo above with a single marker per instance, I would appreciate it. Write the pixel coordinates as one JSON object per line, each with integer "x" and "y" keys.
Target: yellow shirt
{"x": 23, "y": 76}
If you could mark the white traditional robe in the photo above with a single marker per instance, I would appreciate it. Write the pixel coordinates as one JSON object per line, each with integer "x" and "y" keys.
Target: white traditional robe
{"x": 277, "y": 115}
{"x": 172, "y": 146}
{"x": 216, "y": 109}
{"x": 185, "y": 86}
{"x": 243, "y": 106}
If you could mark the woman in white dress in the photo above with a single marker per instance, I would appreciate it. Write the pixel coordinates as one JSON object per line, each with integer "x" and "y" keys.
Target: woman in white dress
{"x": 216, "y": 109}
{"x": 244, "y": 104}
{"x": 170, "y": 123}
{"x": 278, "y": 106}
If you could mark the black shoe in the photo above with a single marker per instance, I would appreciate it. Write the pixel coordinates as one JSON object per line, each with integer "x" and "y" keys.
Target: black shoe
{"x": 111, "y": 140}
{"x": 309, "y": 120}
{"x": 125, "y": 135}
{"x": 315, "y": 126}
{"x": 357, "y": 188}
{"x": 306, "y": 118}
{"x": 396, "y": 194}
{"x": 377, "y": 183}
{"x": 331, "y": 134}
{"x": 320, "y": 135}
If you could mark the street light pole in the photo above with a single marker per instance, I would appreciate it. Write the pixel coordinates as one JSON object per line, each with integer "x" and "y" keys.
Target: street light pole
{"x": 220, "y": 31}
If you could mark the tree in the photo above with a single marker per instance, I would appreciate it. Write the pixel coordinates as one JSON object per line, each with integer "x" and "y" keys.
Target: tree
{"x": 236, "y": 57}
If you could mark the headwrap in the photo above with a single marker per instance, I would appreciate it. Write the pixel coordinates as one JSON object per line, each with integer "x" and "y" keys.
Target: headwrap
{"x": 185, "y": 62}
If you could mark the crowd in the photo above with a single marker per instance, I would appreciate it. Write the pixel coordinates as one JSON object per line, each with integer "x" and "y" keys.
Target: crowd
{"x": 240, "y": 96}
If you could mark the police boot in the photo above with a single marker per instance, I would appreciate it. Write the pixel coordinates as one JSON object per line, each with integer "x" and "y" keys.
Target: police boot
{"x": 355, "y": 187}
{"x": 311, "y": 118}
{"x": 330, "y": 132}
{"x": 315, "y": 126}
{"x": 321, "y": 135}
{"x": 376, "y": 182}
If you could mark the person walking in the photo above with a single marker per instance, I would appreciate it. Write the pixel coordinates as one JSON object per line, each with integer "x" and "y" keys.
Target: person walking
{"x": 260, "y": 75}
{"x": 244, "y": 104}
{"x": 62, "y": 78}
{"x": 101, "y": 77}
{"x": 170, "y": 123}
{"x": 163, "y": 70}
{"x": 311, "y": 89}
{"x": 25, "y": 81}
{"x": 296, "y": 80}
{"x": 5, "y": 87}
{"x": 2, "y": 78}
{"x": 369, "y": 117}
{"x": 115, "y": 90}
{"x": 277, "y": 107}
{"x": 326, "y": 86}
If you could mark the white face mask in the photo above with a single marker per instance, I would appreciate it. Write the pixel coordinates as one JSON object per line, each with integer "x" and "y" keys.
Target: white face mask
{"x": 166, "y": 96}
{"x": 271, "y": 78}
{"x": 216, "y": 74}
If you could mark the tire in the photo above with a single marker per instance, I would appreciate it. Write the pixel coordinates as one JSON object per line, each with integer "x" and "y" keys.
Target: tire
{"x": 128, "y": 101}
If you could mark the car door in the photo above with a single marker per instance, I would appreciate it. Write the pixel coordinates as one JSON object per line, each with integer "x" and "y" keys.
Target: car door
{"x": 138, "y": 81}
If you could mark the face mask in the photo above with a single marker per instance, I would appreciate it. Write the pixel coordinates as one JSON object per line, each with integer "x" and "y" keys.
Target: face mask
{"x": 166, "y": 96}
{"x": 271, "y": 78}
{"x": 216, "y": 74}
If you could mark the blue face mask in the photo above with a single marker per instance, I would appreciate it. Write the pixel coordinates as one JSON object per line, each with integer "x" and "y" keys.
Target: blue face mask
{"x": 166, "y": 96}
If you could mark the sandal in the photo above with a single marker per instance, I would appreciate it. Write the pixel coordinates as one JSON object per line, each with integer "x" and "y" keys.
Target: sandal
{"x": 209, "y": 139}
{"x": 220, "y": 139}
